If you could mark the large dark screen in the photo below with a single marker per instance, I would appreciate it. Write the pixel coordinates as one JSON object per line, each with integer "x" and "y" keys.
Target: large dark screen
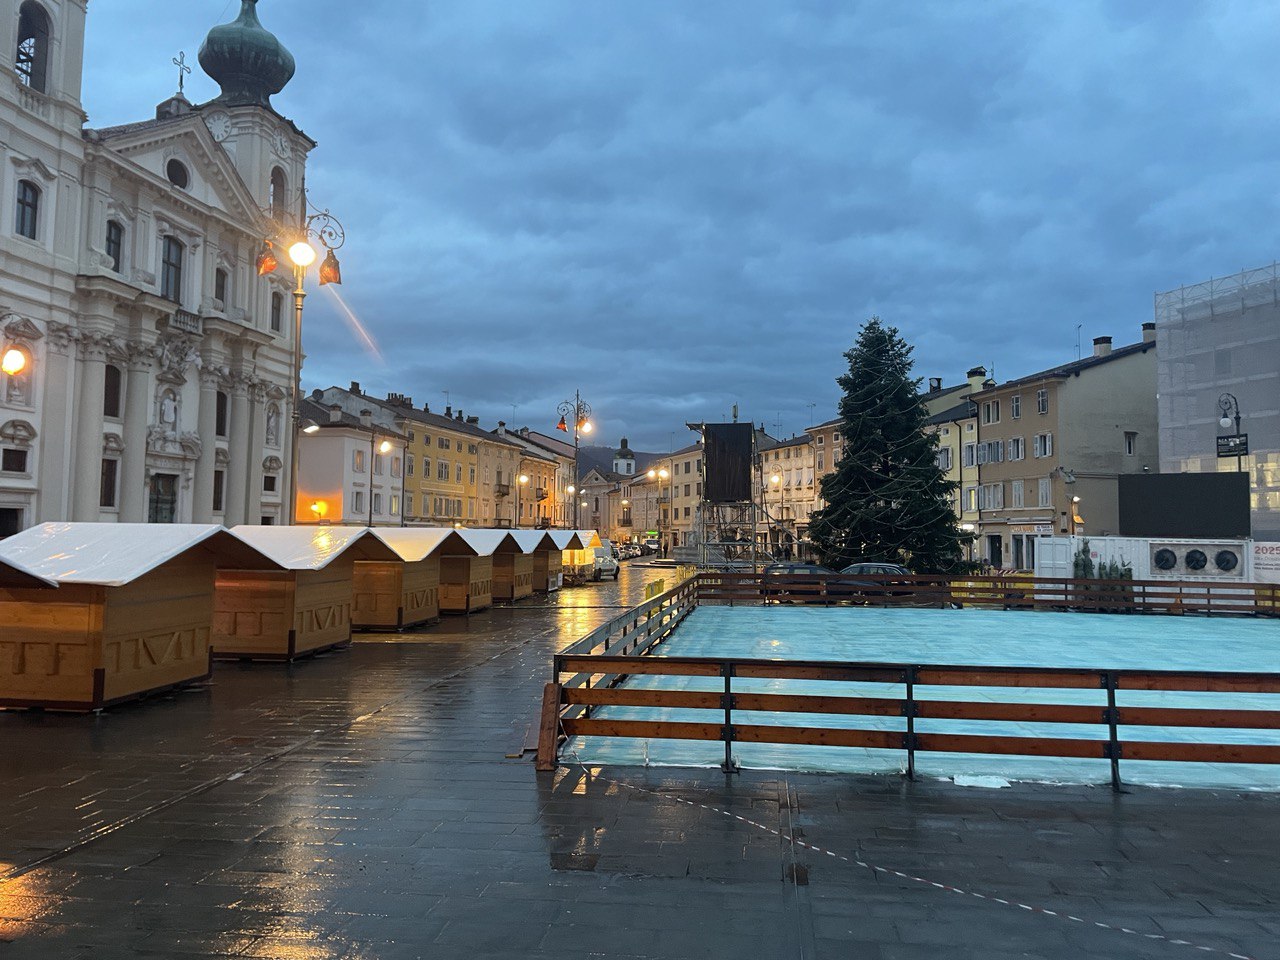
{"x": 1190, "y": 505}
{"x": 727, "y": 450}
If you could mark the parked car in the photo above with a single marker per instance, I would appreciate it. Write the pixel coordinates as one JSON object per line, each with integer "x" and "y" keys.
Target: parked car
{"x": 797, "y": 569}
{"x": 652, "y": 545}
{"x": 798, "y": 593}
{"x": 606, "y": 561}
{"x": 876, "y": 576}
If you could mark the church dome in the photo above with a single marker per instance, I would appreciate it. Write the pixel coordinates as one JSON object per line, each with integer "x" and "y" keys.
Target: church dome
{"x": 246, "y": 60}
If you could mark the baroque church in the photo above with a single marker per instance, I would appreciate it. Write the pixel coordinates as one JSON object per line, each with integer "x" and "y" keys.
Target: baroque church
{"x": 154, "y": 365}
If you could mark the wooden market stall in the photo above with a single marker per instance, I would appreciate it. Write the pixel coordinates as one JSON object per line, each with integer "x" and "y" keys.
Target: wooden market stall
{"x": 405, "y": 592}
{"x": 513, "y": 565}
{"x": 466, "y": 572}
{"x": 546, "y": 556}
{"x": 551, "y": 564}
{"x": 303, "y": 607}
{"x": 579, "y": 556}
{"x": 132, "y": 613}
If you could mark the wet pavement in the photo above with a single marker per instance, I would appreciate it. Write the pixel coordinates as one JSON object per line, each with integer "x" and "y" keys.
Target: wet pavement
{"x": 365, "y": 805}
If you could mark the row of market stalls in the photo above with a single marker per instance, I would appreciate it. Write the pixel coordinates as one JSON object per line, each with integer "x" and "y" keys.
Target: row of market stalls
{"x": 95, "y": 613}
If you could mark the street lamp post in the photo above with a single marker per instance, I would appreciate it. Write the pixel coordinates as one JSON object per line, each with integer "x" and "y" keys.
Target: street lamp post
{"x": 577, "y": 411}
{"x": 662, "y": 474}
{"x": 1075, "y": 514}
{"x": 776, "y": 480}
{"x": 1230, "y": 407}
{"x": 327, "y": 230}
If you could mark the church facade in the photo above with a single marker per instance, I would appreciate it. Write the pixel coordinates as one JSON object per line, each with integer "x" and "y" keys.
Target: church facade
{"x": 157, "y": 365}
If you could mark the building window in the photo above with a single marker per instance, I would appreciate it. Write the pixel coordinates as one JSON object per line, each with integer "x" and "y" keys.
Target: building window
{"x": 1042, "y": 401}
{"x": 442, "y": 470}
{"x": 220, "y": 414}
{"x": 269, "y": 483}
{"x": 395, "y": 505}
{"x": 279, "y": 194}
{"x": 32, "y": 57}
{"x": 13, "y": 461}
{"x": 473, "y": 476}
{"x": 944, "y": 459}
{"x": 219, "y": 482}
{"x": 28, "y": 210}
{"x": 822, "y": 461}
{"x": 1130, "y": 443}
{"x": 377, "y": 504}
{"x": 220, "y": 285}
{"x": 408, "y": 504}
{"x": 426, "y": 467}
{"x": 377, "y": 464}
{"x": 357, "y": 461}
{"x": 357, "y": 503}
{"x": 991, "y": 496}
{"x": 471, "y": 448}
{"x": 457, "y": 478}
{"x": 991, "y": 412}
{"x": 971, "y": 498}
{"x": 107, "y": 485}
{"x": 177, "y": 174}
{"x": 115, "y": 244}
{"x": 111, "y": 392}
{"x": 1043, "y": 445}
{"x": 820, "y": 441}
{"x": 1015, "y": 407}
{"x": 277, "y": 312}
{"x": 970, "y": 455}
{"x": 171, "y": 269}
{"x": 408, "y": 464}
{"x": 442, "y": 443}
{"x": 835, "y": 436}
{"x": 1017, "y": 448}
{"x": 1016, "y": 493}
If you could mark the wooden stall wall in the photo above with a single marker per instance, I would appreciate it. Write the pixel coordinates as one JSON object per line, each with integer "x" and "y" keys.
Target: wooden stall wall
{"x": 512, "y": 576}
{"x": 392, "y": 595}
{"x": 278, "y": 616}
{"x": 547, "y": 565}
{"x": 50, "y": 646}
{"x": 466, "y": 584}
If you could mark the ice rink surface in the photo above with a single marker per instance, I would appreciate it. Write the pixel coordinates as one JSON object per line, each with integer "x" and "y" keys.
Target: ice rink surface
{"x": 965, "y": 638}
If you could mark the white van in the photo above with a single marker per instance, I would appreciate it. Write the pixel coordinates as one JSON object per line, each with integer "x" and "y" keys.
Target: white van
{"x": 606, "y": 561}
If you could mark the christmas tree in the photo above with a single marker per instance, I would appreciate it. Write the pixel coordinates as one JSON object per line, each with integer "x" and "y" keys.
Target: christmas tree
{"x": 887, "y": 500}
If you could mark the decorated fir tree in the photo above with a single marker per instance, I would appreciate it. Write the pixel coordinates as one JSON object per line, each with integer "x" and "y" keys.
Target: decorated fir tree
{"x": 887, "y": 500}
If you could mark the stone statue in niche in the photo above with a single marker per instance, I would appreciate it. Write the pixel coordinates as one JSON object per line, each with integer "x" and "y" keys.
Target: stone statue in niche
{"x": 169, "y": 412}
{"x": 273, "y": 426}
{"x": 18, "y": 389}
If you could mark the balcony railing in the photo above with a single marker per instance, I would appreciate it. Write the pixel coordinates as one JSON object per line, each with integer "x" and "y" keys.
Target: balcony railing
{"x": 502, "y": 489}
{"x": 187, "y": 322}
{"x": 625, "y": 522}
{"x": 541, "y": 493}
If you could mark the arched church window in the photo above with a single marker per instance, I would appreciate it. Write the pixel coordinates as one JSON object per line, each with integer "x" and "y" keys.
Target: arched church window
{"x": 111, "y": 392}
{"x": 32, "y": 58}
{"x": 177, "y": 174}
{"x": 28, "y": 218}
{"x": 279, "y": 194}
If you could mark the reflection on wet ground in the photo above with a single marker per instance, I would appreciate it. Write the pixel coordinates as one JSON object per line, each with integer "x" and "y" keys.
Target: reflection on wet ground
{"x": 363, "y": 804}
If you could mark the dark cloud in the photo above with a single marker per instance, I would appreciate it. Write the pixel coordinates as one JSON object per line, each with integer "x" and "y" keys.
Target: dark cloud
{"x": 679, "y": 206}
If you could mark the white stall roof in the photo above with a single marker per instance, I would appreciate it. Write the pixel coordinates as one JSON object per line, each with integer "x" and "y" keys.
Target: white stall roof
{"x": 311, "y": 548}
{"x": 412, "y": 544}
{"x": 531, "y": 540}
{"x": 589, "y": 539}
{"x": 113, "y": 554}
{"x": 566, "y": 539}
{"x": 484, "y": 542}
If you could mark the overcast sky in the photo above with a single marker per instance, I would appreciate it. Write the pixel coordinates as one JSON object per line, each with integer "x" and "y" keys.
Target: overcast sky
{"x": 678, "y": 206}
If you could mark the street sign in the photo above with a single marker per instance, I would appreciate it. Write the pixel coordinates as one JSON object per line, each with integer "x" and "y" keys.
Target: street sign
{"x": 1234, "y": 446}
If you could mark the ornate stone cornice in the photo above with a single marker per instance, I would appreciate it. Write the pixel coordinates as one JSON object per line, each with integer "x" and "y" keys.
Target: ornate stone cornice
{"x": 18, "y": 432}
{"x": 20, "y": 328}
{"x": 62, "y": 337}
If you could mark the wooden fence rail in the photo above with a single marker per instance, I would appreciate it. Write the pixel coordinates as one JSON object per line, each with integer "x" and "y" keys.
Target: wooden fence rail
{"x": 590, "y": 675}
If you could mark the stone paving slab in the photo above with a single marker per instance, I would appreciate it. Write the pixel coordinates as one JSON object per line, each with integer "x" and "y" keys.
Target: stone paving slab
{"x": 362, "y": 805}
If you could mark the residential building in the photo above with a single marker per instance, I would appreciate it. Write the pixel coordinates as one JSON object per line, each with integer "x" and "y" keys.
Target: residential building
{"x": 1219, "y": 349}
{"x": 957, "y": 430}
{"x": 157, "y": 380}
{"x": 1051, "y": 445}
{"x": 558, "y": 505}
{"x": 350, "y": 469}
{"x": 788, "y": 492}
{"x": 536, "y": 481}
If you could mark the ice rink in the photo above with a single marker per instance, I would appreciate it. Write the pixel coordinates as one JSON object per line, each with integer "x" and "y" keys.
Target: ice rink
{"x": 967, "y": 638}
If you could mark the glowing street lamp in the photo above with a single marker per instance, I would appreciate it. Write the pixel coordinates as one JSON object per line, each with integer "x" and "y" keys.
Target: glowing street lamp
{"x": 13, "y": 362}
{"x": 521, "y": 481}
{"x": 578, "y": 412}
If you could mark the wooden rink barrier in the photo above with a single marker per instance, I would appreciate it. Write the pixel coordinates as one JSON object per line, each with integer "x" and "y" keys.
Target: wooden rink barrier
{"x": 591, "y": 675}
{"x": 131, "y": 615}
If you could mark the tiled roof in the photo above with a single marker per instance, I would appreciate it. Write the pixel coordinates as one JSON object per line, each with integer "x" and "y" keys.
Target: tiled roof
{"x": 1076, "y": 366}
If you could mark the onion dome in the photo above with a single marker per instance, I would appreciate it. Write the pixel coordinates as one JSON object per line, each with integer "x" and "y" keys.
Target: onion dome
{"x": 246, "y": 60}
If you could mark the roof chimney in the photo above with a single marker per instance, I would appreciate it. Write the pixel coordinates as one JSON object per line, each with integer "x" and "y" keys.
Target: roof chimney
{"x": 502, "y": 428}
{"x": 977, "y": 376}
{"x": 448, "y": 411}
{"x": 935, "y": 384}
{"x": 460, "y": 416}
{"x": 1149, "y": 332}
{"x": 426, "y": 408}
{"x": 366, "y": 418}
{"x": 335, "y": 413}
{"x": 355, "y": 387}
{"x": 1101, "y": 346}
{"x": 473, "y": 419}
